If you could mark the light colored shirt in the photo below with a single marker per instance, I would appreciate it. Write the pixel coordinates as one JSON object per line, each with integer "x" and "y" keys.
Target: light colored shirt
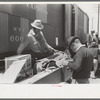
{"x": 36, "y": 42}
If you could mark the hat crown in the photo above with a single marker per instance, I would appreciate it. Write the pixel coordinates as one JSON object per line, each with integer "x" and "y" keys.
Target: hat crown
{"x": 37, "y": 24}
{"x": 71, "y": 40}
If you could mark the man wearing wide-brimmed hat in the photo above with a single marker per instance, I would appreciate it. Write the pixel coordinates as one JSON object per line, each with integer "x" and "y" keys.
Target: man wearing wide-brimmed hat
{"x": 82, "y": 60}
{"x": 36, "y": 41}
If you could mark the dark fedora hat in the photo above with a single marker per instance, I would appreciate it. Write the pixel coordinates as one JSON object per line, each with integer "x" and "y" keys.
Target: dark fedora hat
{"x": 71, "y": 40}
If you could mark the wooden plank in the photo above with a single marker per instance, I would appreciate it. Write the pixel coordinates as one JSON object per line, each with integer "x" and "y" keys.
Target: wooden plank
{"x": 49, "y": 77}
{"x": 67, "y": 73}
{"x": 54, "y": 76}
{"x": 11, "y": 74}
{"x": 40, "y": 76}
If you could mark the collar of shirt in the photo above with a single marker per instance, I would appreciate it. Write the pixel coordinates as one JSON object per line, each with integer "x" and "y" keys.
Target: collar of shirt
{"x": 32, "y": 32}
{"x": 79, "y": 47}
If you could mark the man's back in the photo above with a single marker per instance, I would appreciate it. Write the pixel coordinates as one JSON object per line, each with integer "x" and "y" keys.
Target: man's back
{"x": 82, "y": 64}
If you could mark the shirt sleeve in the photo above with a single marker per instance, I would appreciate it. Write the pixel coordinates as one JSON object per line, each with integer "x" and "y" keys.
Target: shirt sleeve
{"x": 43, "y": 37}
{"x": 77, "y": 62}
{"x": 20, "y": 48}
{"x": 23, "y": 44}
{"x": 46, "y": 42}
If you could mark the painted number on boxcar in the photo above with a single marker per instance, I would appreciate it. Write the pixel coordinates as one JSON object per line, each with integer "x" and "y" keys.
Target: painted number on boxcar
{"x": 15, "y": 37}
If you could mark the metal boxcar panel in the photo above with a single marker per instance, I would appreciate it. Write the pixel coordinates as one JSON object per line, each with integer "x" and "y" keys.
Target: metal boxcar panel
{"x": 76, "y": 19}
{"x": 55, "y": 24}
{"x": 48, "y": 31}
{"x": 79, "y": 24}
{"x": 68, "y": 16}
{"x": 6, "y": 8}
{"x": 50, "y": 34}
{"x": 41, "y": 12}
{"x": 13, "y": 33}
{"x": 55, "y": 15}
{"x": 3, "y": 32}
{"x": 86, "y": 21}
{"x": 24, "y": 25}
{"x": 85, "y": 24}
{"x": 30, "y": 21}
{"x": 23, "y": 10}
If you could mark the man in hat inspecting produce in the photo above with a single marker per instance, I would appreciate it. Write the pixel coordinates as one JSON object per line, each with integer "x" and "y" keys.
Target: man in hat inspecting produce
{"x": 82, "y": 61}
{"x": 37, "y": 42}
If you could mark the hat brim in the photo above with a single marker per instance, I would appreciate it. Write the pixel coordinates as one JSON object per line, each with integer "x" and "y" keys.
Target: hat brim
{"x": 37, "y": 27}
{"x": 75, "y": 37}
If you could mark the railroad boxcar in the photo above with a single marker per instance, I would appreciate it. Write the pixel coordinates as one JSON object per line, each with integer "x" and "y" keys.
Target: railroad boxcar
{"x": 76, "y": 22}
{"x": 81, "y": 21}
{"x": 16, "y": 19}
{"x": 60, "y": 22}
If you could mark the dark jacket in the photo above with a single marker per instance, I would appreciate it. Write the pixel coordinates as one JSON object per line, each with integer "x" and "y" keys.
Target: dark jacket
{"x": 95, "y": 52}
{"x": 82, "y": 63}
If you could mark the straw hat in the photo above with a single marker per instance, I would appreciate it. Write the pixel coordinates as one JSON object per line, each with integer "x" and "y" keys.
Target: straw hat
{"x": 37, "y": 24}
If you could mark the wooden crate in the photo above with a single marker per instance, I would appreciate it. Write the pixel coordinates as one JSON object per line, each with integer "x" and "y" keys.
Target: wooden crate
{"x": 27, "y": 67}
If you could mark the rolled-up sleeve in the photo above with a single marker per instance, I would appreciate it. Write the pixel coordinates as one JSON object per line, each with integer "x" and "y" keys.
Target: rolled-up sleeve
{"x": 20, "y": 48}
{"x": 23, "y": 44}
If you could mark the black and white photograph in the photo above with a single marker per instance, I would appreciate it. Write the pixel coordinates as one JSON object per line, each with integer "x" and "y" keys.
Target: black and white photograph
{"x": 55, "y": 44}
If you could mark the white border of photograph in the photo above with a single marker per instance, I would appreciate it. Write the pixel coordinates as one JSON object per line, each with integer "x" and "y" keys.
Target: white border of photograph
{"x": 49, "y": 90}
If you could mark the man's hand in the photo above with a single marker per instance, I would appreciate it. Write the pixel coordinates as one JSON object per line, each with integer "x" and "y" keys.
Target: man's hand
{"x": 39, "y": 67}
{"x": 59, "y": 63}
{"x": 62, "y": 63}
{"x": 54, "y": 50}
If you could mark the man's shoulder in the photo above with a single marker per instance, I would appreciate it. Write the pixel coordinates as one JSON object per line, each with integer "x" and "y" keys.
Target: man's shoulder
{"x": 84, "y": 52}
{"x": 31, "y": 33}
{"x": 84, "y": 49}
